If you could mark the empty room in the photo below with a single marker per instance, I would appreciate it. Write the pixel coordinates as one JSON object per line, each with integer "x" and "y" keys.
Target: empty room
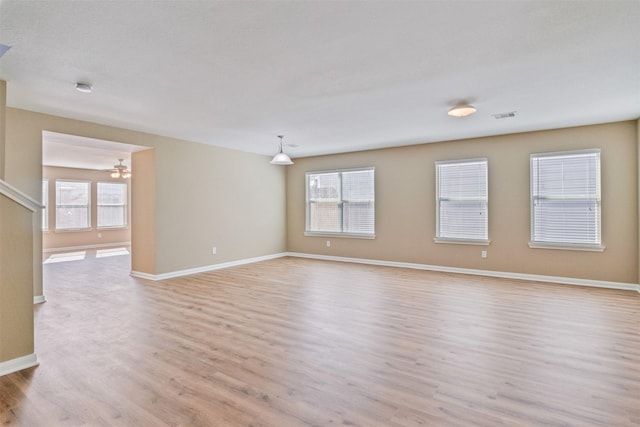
{"x": 316, "y": 213}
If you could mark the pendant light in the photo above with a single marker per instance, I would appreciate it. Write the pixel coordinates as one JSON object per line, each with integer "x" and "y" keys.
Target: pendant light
{"x": 281, "y": 158}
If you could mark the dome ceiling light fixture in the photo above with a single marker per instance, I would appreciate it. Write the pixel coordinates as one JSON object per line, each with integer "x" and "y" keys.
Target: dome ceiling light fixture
{"x": 84, "y": 87}
{"x": 120, "y": 171}
{"x": 281, "y": 158}
{"x": 462, "y": 110}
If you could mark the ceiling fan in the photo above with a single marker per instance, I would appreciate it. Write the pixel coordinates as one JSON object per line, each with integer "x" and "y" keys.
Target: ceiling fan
{"x": 120, "y": 170}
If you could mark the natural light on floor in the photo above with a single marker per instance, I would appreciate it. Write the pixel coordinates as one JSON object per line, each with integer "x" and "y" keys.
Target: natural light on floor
{"x": 103, "y": 253}
{"x": 65, "y": 257}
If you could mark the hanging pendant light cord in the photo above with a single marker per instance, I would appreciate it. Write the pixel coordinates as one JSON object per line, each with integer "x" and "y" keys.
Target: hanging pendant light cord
{"x": 280, "y": 136}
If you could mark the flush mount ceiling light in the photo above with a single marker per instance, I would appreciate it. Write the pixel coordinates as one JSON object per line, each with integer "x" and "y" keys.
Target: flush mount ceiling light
{"x": 462, "y": 110}
{"x": 281, "y": 158}
{"x": 84, "y": 87}
{"x": 120, "y": 171}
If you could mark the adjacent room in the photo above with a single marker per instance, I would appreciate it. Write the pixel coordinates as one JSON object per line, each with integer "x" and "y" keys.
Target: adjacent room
{"x": 372, "y": 213}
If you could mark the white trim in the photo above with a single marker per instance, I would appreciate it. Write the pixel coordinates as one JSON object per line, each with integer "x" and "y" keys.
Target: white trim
{"x": 205, "y": 268}
{"x": 328, "y": 171}
{"x": 489, "y": 273}
{"x": 141, "y": 275}
{"x": 18, "y": 364}
{"x": 475, "y": 272}
{"x": 73, "y": 230}
{"x": 338, "y": 234}
{"x": 19, "y": 197}
{"x": 77, "y": 248}
{"x": 39, "y": 299}
{"x": 567, "y": 153}
{"x": 566, "y": 246}
{"x": 462, "y": 241}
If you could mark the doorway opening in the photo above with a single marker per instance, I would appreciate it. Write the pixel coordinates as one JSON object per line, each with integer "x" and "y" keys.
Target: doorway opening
{"x": 87, "y": 197}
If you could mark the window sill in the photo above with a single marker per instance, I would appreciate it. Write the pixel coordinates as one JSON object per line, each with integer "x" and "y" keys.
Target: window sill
{"x": 463, "y": 241}
{"x": 347, "y": 235}
{"x": 566, "y": 247}
{"x": 119, "y": 227}
{"x": 73, "y": 230}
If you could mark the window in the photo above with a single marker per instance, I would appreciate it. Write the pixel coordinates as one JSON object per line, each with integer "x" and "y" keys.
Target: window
{"x": 112, "y": 204}
{"x": 565, "y": 200}
{"x": 45, "y": 203}
{"x": 72, "y": 205}
{"x": 462, "y": 201}
{"x": 341, "y": 203}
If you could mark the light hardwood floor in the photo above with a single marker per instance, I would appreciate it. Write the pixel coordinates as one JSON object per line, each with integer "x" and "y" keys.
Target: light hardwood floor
{"x": 295, "y": 342}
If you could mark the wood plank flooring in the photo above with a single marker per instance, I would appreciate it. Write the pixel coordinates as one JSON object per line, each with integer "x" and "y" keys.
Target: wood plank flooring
{"x": 298, "y": 342}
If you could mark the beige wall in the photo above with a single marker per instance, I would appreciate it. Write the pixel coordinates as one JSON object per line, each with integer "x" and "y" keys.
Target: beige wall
{"x": 405, "y": 205}
{"x": 54, "y": 239}
{"x": 232, "y": 200}
{"x": 16, "y": 276}
{"x": 205, "y": 195}
{"x": 3, "y": 104}
{"x": 143, "y": 212}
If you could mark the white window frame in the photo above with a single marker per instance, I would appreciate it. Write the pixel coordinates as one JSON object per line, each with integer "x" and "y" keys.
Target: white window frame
{"x": 597, "y": 197}
{"x": 88, "y": 227}
{"x": 465, "y": 240}
{"x": 45, "y": 204}
{"x": 125, "y": 205}
{"x": 340, "y": 202}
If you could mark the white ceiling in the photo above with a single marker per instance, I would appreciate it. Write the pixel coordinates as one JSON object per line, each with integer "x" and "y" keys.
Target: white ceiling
{"x": 73, "y": 151}
{"x": 332, "y": 76}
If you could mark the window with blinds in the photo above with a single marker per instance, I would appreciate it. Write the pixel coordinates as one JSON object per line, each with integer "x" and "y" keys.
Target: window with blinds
{"x": 112, "y": 204}
{"x": 462, "y": 201}
{"x": 72, "y": 205}
{"x": 45, "y": 204}
{"x": 565, "y": 199}
{"x": 341, "y": 202}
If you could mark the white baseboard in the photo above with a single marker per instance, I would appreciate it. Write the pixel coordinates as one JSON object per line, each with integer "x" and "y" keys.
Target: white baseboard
{"x": 206, "y": 268}
{"x": 39, "y": 299}
{"x": 141, "y": 275}
{"x": 475, "y": 272}
{"x": 18, "y": 364}
{"x": 80, "y": 248}
{"x": 489, "y": 273}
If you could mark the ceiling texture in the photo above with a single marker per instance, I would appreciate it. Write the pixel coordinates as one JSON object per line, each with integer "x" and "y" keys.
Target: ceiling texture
{"x": 332, "y": 76}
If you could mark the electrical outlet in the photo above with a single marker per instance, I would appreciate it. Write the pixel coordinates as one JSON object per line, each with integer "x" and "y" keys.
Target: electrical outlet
{"x": 99, "y": 235}
{"x": 484, "y": 254}
{"x": 214, "y": 250}
{"x": 328, "y": 243}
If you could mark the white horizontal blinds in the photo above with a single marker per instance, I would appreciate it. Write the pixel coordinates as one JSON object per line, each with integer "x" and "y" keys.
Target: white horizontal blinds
{"x": 112, "y": 204}
{"x": 324, "y": 206}
{"x": 462, "y": 200}
{"x": 341, "y": 202}
{"x": 565, "y": 198}
{"x": 45, "y": 203}
{"x": 72, "y": 205}
{"x": 358, "y": 202}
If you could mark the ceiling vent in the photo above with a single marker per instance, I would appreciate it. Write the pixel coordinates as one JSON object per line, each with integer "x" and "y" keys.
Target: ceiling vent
{"x": 504, "y": 115}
